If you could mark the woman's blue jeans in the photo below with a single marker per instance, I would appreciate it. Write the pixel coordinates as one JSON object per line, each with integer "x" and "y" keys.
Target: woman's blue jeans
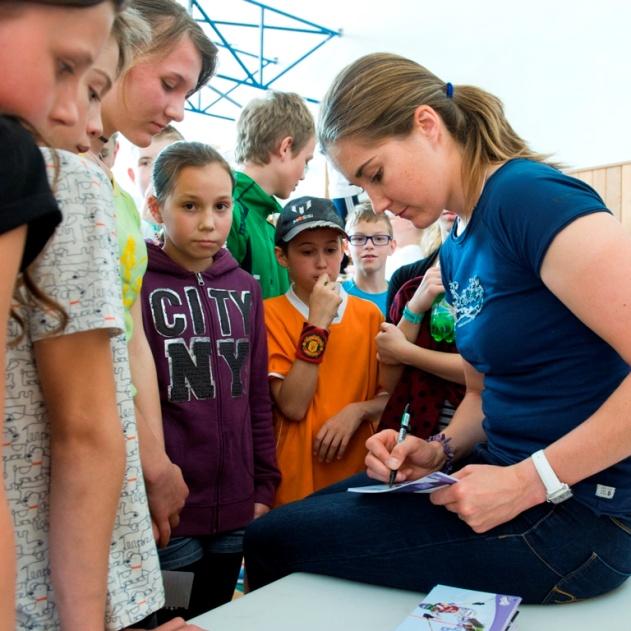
{"x": 548, "y": 554}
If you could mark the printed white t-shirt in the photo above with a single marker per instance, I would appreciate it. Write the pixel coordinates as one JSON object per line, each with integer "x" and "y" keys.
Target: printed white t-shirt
{"x": 79, "y": 270}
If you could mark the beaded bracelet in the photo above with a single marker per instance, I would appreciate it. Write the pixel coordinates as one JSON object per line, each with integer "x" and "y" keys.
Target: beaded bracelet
{"x": 312, "y": 344}
{"x": 448, "y": 451}
{"x": 410, "y": 316}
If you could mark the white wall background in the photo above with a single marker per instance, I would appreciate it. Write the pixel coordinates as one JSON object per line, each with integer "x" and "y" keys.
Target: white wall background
{"x": 561, "y": 67}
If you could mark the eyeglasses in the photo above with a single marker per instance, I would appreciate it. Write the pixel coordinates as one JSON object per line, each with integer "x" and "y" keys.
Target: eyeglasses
{"x": 376, "y": 239}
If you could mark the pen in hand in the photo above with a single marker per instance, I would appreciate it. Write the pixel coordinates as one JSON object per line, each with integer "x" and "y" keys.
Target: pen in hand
{"x": 403, "y": 432}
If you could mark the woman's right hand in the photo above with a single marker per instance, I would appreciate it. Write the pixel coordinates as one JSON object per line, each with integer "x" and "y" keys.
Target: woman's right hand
{"x": 413, "y": 458}
{"x": 425, "y": 294}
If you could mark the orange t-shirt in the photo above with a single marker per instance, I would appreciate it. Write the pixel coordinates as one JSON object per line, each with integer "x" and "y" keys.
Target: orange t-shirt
{"x": 347, "y": 374}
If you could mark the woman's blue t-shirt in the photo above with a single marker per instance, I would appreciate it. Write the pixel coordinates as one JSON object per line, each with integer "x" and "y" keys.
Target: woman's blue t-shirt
{"x": 545, "y": 372}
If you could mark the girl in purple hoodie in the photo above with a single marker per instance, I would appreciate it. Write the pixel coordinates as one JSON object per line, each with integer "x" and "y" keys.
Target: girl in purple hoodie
{"x": 203, "y": 317}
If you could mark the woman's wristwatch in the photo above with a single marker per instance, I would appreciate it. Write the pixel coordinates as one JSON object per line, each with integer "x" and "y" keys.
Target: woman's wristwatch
{"x": 556, "y": 491}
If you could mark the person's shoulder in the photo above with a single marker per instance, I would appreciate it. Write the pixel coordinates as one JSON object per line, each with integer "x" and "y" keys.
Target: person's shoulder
{"x": 22, "y": 155}
{"x": 279, "y": 314}
{"x": 13, "y": 133}
{"x": 249, "y": 195}
{"x": 243, "y": 184}
{"x": 526, "y": 177}
{"x": 64, "y": 165}
{"x": 243, "y": 280}
{"x": 522, "y": 187}
{"x": 362, "y": 308}
{"x": 127, "y": 198}
{"x": 277, "y": 303}
{"x": 518, "y": 168}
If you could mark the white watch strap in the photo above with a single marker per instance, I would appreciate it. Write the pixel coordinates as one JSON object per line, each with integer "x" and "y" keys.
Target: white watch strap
{"x": 546, "y": 472}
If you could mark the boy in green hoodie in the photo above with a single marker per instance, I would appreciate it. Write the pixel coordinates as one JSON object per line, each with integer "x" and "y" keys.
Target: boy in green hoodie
{"x": 275, "y": 142}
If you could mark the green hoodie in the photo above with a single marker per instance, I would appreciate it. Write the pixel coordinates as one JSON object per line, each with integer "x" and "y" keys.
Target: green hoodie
{"x": 251, "y": 238}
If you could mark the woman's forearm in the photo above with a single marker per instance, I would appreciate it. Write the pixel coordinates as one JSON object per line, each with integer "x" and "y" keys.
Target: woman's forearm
{"x": 598, "y": 443}
{"x": 465, "y": 429}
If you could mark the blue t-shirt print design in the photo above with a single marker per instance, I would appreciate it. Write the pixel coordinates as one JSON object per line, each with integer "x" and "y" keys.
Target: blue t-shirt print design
{"x": 469, "y": 302}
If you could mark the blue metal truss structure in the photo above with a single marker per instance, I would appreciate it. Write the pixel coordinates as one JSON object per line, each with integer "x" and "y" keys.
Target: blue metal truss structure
{"x": 245, "y": 70}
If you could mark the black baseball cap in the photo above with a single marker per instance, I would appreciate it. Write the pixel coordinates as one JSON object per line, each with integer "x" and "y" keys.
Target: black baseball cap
{"x": 306, "y": 213}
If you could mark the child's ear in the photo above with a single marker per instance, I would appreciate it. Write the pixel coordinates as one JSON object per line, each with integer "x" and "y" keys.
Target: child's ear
{"x": 154, "y": 208}
{"x": 281, "y": 257}
{"x": 392, "y": 246}
{"x": 286, "y": 148}
{"x": 346, "y": 247}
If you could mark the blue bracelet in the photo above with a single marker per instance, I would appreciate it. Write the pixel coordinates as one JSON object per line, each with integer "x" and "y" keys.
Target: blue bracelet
{"x": 410, "y": 316}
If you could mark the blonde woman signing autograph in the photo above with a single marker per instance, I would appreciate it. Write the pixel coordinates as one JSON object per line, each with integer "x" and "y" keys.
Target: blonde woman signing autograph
{"x": 539, "y": 273}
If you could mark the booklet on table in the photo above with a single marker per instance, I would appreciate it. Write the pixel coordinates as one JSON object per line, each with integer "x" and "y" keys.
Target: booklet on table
{"x": 454, "y": 609}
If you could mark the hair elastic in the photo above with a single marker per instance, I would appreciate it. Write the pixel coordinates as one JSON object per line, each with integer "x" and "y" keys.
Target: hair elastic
{"x": 449, "y": 89}
{"x": 447, "y": 450}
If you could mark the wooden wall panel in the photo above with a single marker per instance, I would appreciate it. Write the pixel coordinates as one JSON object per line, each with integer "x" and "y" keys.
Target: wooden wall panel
{"x": 599, "y": 181}
{"x": 625, "y": 205}
{"x": 613, "y": 192}
{"x": 613, "y": 183}
{"x": 586, "y": 176}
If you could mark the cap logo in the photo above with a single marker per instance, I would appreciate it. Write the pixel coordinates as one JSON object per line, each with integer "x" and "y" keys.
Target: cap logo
{"x": 300, "y": 210}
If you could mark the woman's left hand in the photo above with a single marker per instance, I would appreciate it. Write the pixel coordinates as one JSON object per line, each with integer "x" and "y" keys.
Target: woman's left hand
{"x": 487, "y": 496}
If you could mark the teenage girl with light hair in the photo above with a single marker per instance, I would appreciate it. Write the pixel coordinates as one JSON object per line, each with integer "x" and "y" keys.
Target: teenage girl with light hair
{"x": 175, "y": 61}
{"x": 539, "y": 273}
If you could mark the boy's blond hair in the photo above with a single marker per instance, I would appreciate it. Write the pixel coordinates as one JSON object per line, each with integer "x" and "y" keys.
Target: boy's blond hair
{"x": 169, "y": 132}
{"x": 365, "y": 212}
{"x": 265, "y": 122}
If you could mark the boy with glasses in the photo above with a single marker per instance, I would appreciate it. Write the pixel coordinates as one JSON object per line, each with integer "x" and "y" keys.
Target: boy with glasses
{"x": 369, "y": 244}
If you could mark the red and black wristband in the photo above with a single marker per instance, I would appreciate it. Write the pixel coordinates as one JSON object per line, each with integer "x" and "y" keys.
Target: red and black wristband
{"x": 312, "y": 344}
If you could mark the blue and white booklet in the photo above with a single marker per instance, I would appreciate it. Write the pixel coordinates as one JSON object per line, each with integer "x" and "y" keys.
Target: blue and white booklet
{"x": 454, "y": 609}
{"x": 429, "y": 483}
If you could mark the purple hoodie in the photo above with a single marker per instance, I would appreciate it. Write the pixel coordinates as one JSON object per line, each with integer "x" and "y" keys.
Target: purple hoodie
{"x": 208, "y": 339}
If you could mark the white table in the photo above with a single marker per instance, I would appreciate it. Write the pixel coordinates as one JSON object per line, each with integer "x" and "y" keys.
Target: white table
{"x": 307, "y": 602}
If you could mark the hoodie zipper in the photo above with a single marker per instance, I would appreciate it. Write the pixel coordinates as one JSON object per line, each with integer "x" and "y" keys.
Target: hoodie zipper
{"x": 215, "y": 366}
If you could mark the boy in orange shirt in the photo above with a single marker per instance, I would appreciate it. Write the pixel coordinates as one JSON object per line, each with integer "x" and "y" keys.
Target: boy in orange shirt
{"x": 323, "y": 358}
